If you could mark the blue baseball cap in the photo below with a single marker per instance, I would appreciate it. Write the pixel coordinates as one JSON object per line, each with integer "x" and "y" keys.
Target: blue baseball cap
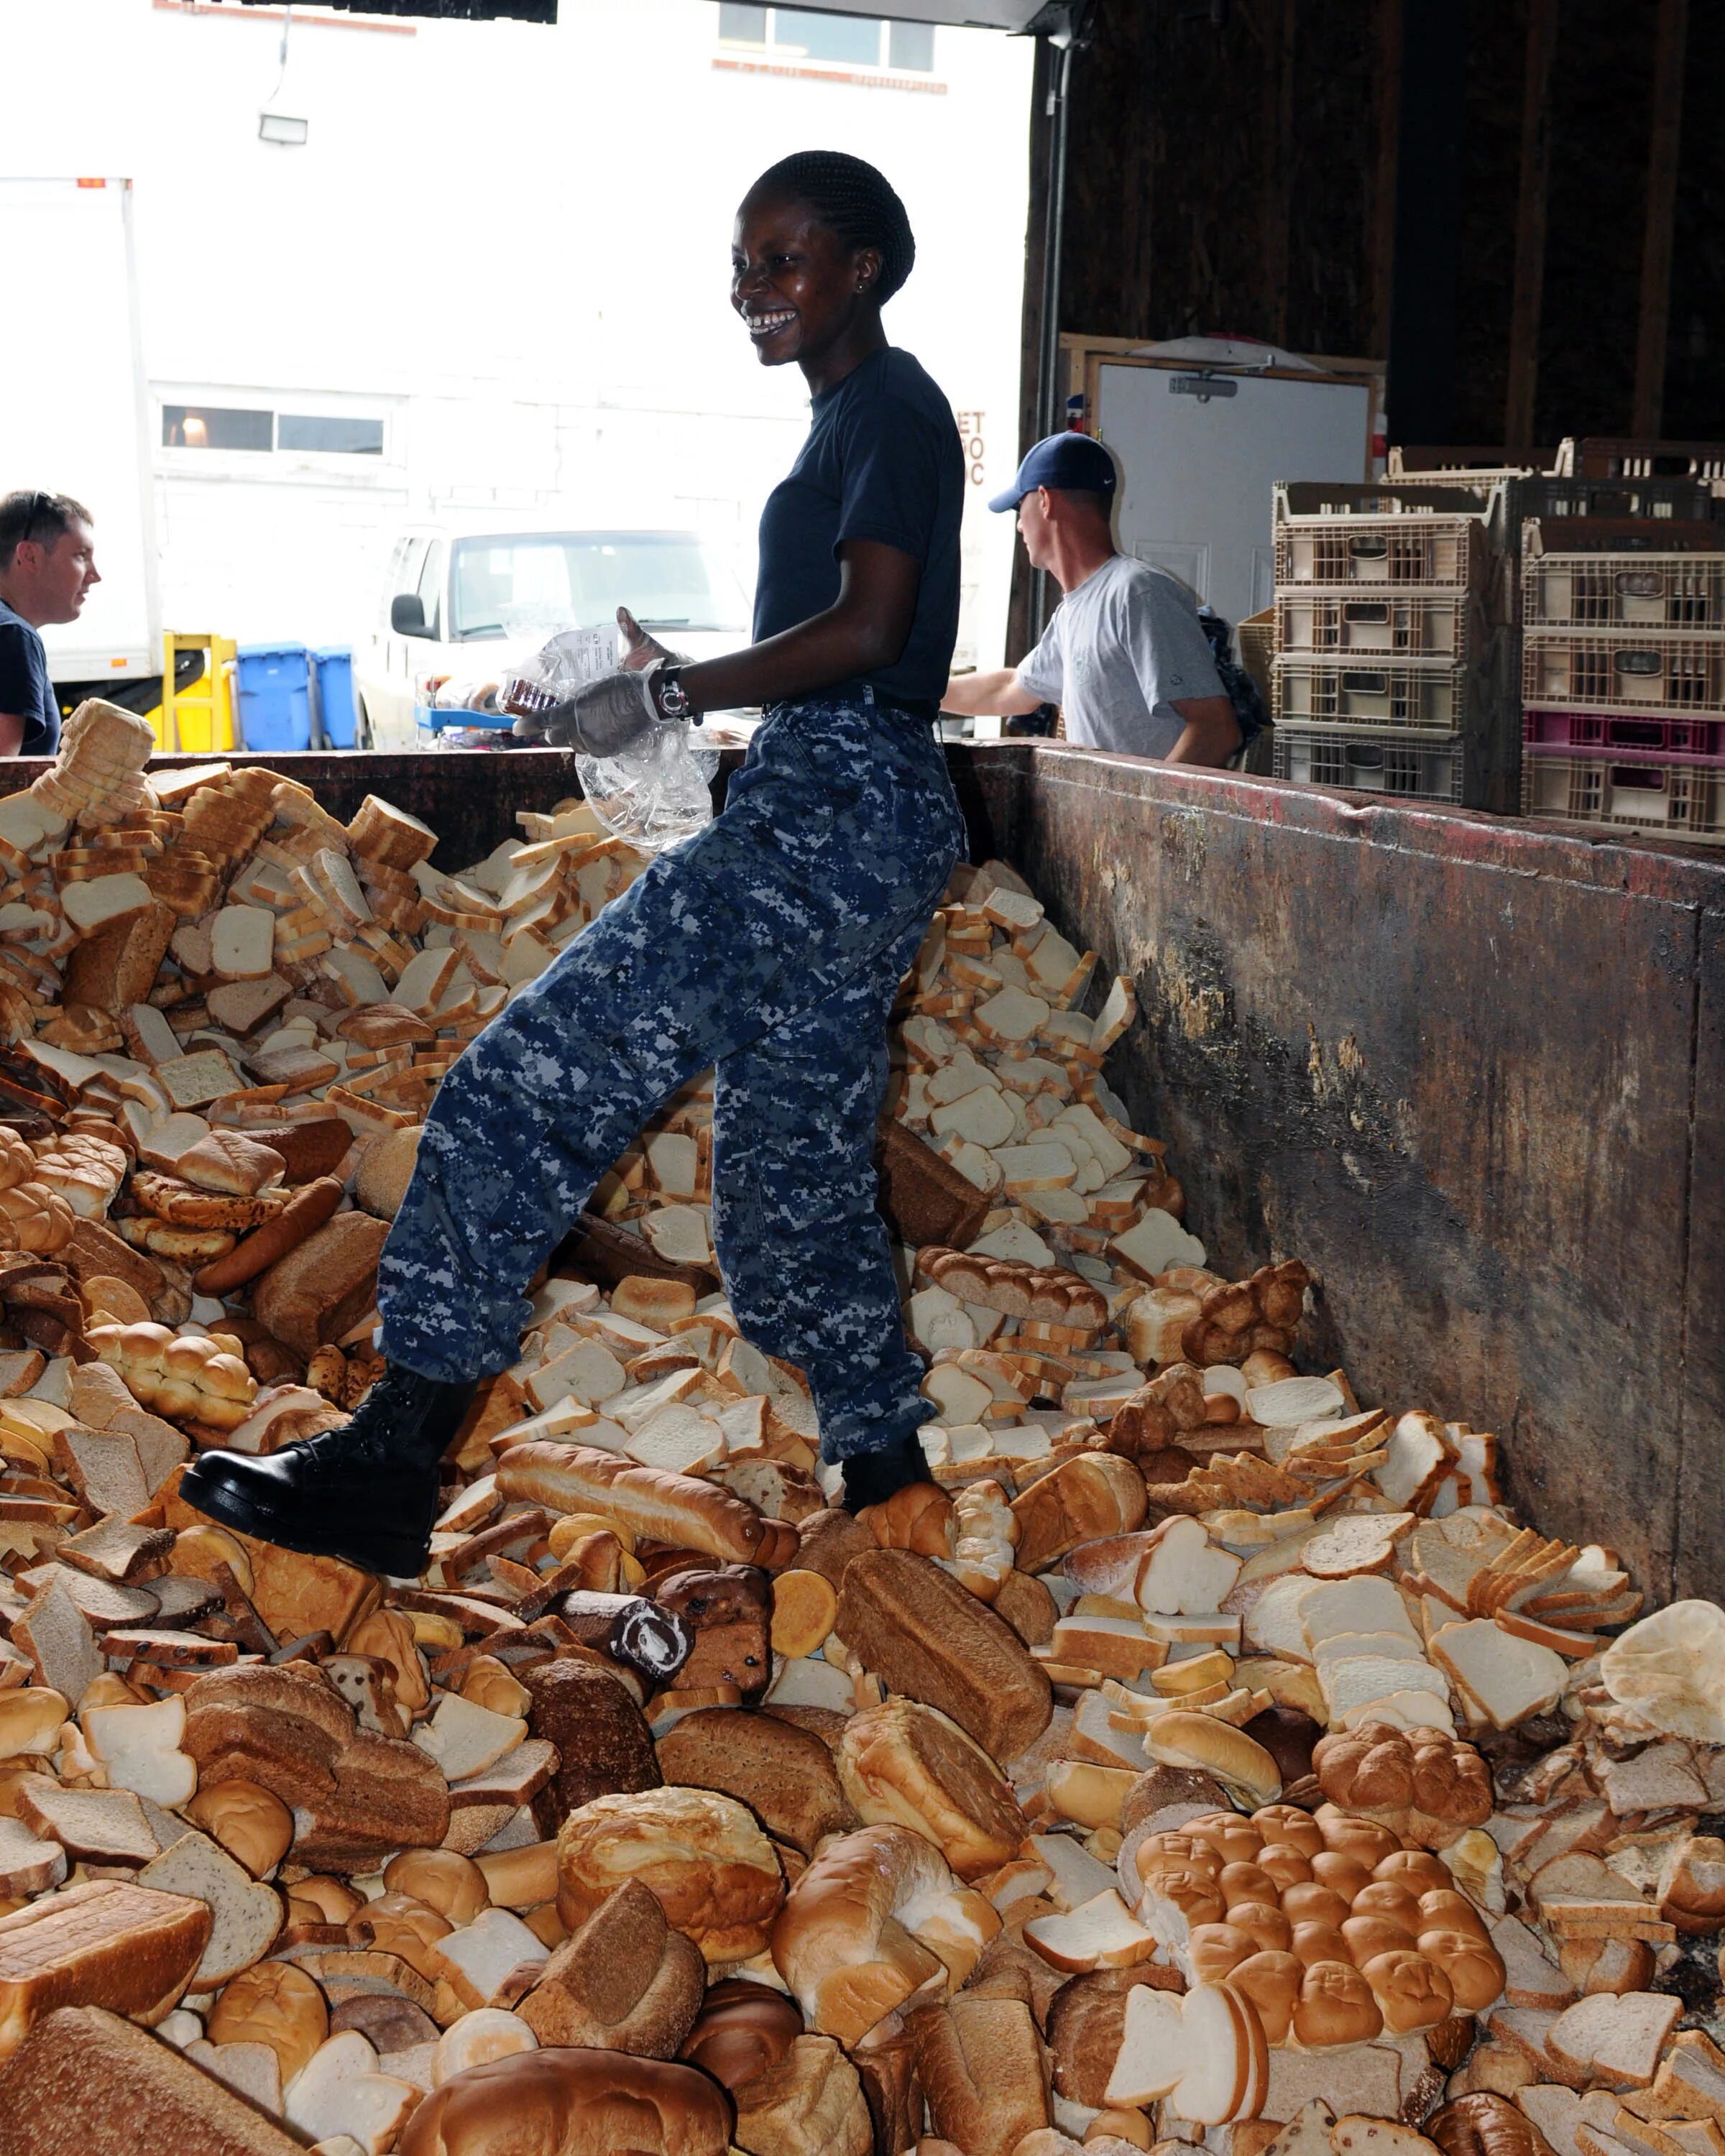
{"x": 1063, "y": 460}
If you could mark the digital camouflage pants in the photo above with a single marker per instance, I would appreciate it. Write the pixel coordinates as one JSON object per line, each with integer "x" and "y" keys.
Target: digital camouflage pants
{"x": 772, "y": 946}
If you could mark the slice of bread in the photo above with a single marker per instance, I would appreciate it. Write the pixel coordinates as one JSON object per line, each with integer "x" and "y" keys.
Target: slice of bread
{"x": 247, "y": 1916}
{"x": 1507, "y": 1678}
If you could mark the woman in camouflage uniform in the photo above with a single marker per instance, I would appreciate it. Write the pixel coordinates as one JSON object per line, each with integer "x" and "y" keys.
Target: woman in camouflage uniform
{"x": 770, "y": 945}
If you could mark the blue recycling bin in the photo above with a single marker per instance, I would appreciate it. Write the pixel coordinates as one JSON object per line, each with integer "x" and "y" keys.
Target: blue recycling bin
{"x": 274, "y": 695}
{"x": 335, "y": 705}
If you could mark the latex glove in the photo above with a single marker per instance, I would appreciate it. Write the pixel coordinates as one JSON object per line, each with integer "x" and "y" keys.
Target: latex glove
{"x": 605, "y": 717}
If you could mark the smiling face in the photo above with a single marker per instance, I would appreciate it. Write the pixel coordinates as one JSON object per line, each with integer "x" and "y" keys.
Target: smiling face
{"x": 800, "y": 289}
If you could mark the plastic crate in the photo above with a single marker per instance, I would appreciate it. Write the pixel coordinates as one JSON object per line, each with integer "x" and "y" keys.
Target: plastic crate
{"x": 1631, "y": 537}
{"x": 1549, "y": 494}
{"x": 1681, "y": 798}
{"x": 337, "y": 715}
{"x": 1402, "y": 624}
{"x": 1424, "y": 695}
{"x": 1623, "y": 590}
{"x": 1365, "y": 764}
{"x": 274, "y": 695}
{"x": 1630, "y": 671}
{"x": 1417, "y": 535}
{"x": 1614, "y": 457}
{"x": 1602, "y": 731}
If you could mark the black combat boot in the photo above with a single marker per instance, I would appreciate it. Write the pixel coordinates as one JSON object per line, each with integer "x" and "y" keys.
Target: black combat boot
{"x": 366, "y": 1493}
{"x": 871, "y": 1478}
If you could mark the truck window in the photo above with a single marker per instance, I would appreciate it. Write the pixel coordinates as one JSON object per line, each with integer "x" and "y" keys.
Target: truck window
{"x": 552, "y": 580}
{"x": 431, "y": 576}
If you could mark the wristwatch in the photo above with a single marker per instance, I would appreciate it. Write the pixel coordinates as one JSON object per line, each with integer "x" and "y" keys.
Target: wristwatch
{"x": 670, "y": 698}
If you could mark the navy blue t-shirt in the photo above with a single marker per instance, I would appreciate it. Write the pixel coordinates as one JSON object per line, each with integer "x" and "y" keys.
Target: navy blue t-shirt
{"x": 26, "y": 691}
{"x": 883, "y": 461}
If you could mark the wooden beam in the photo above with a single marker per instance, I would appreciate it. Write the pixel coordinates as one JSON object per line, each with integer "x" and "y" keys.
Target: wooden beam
{"x": 1382, "y": 243}
{"x": 1278, "y": 176}
{"x": 1531, "y": 204}
{"x": 1662, "y": 211}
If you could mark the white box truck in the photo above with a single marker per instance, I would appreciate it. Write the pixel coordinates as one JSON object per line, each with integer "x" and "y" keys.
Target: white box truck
{"x": 74, "y": 417}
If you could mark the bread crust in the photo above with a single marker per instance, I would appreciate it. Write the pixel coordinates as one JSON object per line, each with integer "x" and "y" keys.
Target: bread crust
{"x": 906, "y": 1764}
{"x": 304, "y": 1213}
{"x": 106, "y": 1942}
{"x": 785, "y": 1775}
{"x": 925, "y": 1636}
{"x": 572, "y": 2102}
{"x": 87, "y": 2083}
{"x": 680, "y": 1510}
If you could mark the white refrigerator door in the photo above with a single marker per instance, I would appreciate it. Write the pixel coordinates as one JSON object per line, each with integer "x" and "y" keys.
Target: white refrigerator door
{"x": 1196, "y": 474}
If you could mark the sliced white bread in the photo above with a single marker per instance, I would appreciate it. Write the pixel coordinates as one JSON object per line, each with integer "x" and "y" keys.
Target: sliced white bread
{"x": 1531, "y": 1977}
{"x": 1075, "y": 1876}
{"x": 1154, "y": 2048}
{"x": 1555, "y": 2110}
{"x": 477, "y": 1959}
{"x": 1359, "y": 1679}
{"x": 1366, "y": 1604}
{"x": 1100, "y": 1933}
{"x": 1275, "y": 1625}
{"x": 1348, "y": 1646}
{"x": 1356, "y": 1543}
{"x": 1184, "y": 1573}
{"x": 463, "y": 1738}
{"x": 1503, "y": 1679}
{"x": 1285, "y": 1402}
{"x": 139, "y": 1746}
{"x": 1402, "y": 1709}
{"x": 1418, "y": 1455}
{"x": 105, "y": 900}
{"x": 242, "y": 942}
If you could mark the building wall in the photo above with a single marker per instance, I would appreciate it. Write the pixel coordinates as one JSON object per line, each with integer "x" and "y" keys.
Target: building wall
{"x": 512, "y": 238}
{"x": 1344, "y": 176}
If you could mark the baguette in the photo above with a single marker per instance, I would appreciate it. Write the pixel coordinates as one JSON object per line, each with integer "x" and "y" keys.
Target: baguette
{"x": 654, "y": 1504}
{"x": 304, "y": 1213}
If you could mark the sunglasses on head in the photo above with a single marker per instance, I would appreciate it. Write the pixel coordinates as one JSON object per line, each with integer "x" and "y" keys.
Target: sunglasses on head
{"x": 39, "y": 504}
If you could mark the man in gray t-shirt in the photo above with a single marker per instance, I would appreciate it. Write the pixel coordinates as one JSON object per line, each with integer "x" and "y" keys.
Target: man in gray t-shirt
{"x": 1124, "y": 654}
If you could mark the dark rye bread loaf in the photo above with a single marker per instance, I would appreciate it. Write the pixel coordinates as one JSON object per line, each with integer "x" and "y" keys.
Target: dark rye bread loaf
{"x": 604, "y": 1746}
{"x": 925, "y": 1636}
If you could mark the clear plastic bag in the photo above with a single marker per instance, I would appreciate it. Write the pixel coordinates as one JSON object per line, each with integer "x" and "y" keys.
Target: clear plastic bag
{"x": 654, "y": 796}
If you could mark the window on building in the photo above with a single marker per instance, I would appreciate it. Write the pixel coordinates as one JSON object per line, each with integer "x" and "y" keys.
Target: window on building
{"x": 303, "y": 430}
{"x": 215, "y": 427}
{"x": 842, "y": 41}
{"x": 911, "y": 46}
{"x": 230, "y": 427}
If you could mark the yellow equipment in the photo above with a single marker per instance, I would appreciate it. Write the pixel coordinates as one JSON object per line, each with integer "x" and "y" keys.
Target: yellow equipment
{"x": 198, "y": 721}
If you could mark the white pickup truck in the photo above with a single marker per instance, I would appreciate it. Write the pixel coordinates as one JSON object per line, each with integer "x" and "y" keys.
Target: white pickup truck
{"x": 467, "y": 600}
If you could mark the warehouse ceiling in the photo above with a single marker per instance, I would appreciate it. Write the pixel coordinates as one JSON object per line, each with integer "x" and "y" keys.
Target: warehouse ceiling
{"x": 982, "y": 14}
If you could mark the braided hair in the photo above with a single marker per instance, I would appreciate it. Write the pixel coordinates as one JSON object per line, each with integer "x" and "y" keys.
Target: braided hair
{"x": 853, "y": 200}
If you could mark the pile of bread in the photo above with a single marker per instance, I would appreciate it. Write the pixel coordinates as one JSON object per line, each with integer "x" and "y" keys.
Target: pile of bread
{"x": 1198, "y": 1760}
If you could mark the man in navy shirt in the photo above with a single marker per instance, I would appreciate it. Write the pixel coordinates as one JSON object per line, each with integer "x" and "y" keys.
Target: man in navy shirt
{"x": 47, "y": 569}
